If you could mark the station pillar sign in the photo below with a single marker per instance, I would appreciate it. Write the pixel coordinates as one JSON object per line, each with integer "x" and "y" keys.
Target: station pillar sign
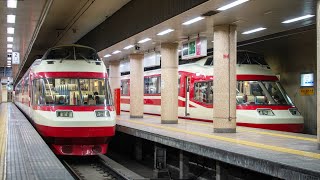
{"x": 15, "y": 58}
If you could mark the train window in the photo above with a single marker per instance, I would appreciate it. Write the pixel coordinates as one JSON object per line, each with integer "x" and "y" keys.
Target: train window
{"x": 152, "y": 85}
{"x": 209, "y": 61}
{"x": 86, "y": 54}
{"x": 37, "y": 89}
{"x": 125, "y": 87}
{"x": 93, "y": 91}
{"x": 203, "y": 91}
{"x": 260, "y": 93}
{"x": 72, "y": 53}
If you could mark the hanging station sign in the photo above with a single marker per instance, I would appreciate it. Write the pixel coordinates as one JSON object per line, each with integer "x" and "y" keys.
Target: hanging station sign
{"x": 15, "y": 58}
{"x": 194, "y": 48}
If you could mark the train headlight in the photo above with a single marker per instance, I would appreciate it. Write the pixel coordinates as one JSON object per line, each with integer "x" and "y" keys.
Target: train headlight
{"x": 294, "y": 111}
{"x": 64, "y": 114}
{"x": 265, "y": 112}
{"x": 102, "y": 113}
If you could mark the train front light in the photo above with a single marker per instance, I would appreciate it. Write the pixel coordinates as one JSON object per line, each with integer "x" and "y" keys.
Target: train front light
{"x": 103, "y": 113}
{"x": 64, "y": 114}
{"x": 294, "y": 111}
{"x": 265, "y": 112}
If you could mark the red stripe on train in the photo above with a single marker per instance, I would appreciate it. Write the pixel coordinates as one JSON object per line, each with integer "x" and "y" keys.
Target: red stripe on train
{"x": 69, "y": 75}
{"x": 252, "y": 77}
{"x": 73, "y": 108}
{"x": 49, "y": 131}
{"x": 156, "y": 102}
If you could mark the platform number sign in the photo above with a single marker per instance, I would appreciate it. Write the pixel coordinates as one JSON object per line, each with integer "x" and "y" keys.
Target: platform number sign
{"x": 194, "y": 48}
{"x": 15, "y": 58}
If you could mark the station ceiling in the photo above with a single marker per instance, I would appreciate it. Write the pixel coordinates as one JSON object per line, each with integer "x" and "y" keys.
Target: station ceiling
{"x": 114, "y": 24}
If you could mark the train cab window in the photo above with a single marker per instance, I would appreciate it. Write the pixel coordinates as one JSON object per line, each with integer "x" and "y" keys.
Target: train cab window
{"x": 152, "y": 85}
{"x": 203, "y": 92}
{"x": 125, "y": 87}
{"x": 93, "y": 91}
{"x": 261, "y": 93}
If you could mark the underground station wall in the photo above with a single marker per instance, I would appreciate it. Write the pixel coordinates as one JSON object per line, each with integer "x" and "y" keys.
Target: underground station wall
{"x": 289, "y": 56}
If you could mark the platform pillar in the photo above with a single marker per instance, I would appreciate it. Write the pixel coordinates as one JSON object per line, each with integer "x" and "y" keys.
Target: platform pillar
{"x": 136, "y": 85}
{"x": 114, "y": 75}
{"x": 225, "y": 58}
{"x": 169, "y": 83}
{"x": 318, "y": 72}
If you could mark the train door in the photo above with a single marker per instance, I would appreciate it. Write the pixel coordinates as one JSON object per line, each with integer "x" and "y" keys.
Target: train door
{"x": 187, "y": 93}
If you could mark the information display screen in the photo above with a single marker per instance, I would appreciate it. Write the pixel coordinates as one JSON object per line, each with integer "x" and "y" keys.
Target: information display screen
{"x": 307, "y": 80}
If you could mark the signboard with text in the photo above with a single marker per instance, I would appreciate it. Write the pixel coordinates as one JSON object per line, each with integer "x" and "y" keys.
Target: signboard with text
{"x": 194, "y": 48}
{"x": 15, "y": 58}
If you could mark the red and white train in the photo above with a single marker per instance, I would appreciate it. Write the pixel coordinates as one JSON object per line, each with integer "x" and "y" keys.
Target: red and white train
{"x": 67, "y": 97}
{"x": 261, "y": 100}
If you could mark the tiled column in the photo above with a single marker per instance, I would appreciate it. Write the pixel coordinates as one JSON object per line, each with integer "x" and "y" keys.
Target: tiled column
{"x": 169, "y": 83}
{"x": 225, "y": 57}
{"x": 114, "y": 75}
{"x": 318, "y": 72}
{"x": 136, "y": 85}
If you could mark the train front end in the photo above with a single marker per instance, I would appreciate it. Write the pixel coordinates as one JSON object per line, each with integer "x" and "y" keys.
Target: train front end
{"x": 71, "y": 101}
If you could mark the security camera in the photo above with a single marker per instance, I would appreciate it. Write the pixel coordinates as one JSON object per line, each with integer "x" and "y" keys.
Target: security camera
{"x": 136, "y": 47}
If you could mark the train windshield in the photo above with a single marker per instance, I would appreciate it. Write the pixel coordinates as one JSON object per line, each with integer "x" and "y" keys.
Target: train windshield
{"x": 68, "y": 92}
{"x": 261, "y": 93}
{"x": 71, "y": 53}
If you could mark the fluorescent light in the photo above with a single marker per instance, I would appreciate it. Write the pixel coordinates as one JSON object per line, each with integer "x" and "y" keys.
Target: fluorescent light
{"x": 107, "y": 55}
{"x": 10, "y": 39}
{"x": 8, "y": 61}
{"x": 235, "y": 3}
{"x": 10, "y": 30}
{"x": 254, "y": 30}
{"x": 193, "y": 20}
{"x": 11, "y": 18}
{"x": 9, "y": 58}
{"x": 165, "y": 32}
{"x": 12, "y": 3}
{"x": 9, "y": 45}
{"x": 9, "y": 50}
{"x": 116, "y": 52}
{"x": 144, "y": 40}
{"x": 9, "y": 66}
{"x": 128, "y": 47}
{"x": 298, "y": 19}
{"x": 179, "y": 50}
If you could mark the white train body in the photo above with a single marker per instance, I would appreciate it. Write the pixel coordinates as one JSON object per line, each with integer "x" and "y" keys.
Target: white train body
{"x": 261, "y": 101}
{"x": 54, "y": 94}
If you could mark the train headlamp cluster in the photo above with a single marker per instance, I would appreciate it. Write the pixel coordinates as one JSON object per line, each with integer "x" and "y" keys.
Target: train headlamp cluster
{"x": 294, "y": 112}
{"x": 265, "y": 112}
{"x": 102, "y": 113}
{"x": 64, "y": 114}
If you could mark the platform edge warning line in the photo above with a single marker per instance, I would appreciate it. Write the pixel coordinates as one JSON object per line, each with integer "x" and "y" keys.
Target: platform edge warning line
{"x": 241, "y": 142}
{"x": 253, "y": 131}
{"x": 3, "y": 143}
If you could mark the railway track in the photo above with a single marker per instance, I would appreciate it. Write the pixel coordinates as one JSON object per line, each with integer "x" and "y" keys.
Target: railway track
{"x": 100, "y": 167}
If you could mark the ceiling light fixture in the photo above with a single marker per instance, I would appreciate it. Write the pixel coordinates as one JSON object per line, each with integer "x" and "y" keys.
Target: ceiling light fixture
{"x": 10, "y": 39}
{"x": 11, "y": 18}
{"x": 144, "y": 40}
{"x": 9, "y": 45}
{"x": 298, "y": 19}
{"x": 12, "y": 3}
{"x": 8, "y": 61}
{"x": 107, "y": 55}
{"x": 193, "y": 20}
{"x": 128, "y": 47}
{"x": 116, "y": 52}
{"x": 10, "y": 30}
{"x": 231, "y": 5}
{"x": 254, "y": 30}
{"x": 9, "y": 58}
{"x": 165, "y": 32}
{"x": 9, "y": 50}
{"x": 9, "y": 66}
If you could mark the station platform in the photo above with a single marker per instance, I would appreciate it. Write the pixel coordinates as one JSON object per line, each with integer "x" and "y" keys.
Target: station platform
{"x": 279, "y": 154}
{"x": 23, "y": 153}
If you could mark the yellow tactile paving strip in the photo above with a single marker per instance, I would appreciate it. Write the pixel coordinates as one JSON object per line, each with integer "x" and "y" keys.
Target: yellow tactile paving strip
{"x": 232, "y": 140}
{"x": 251, "y": 130}
{"x": 3, "y": 141}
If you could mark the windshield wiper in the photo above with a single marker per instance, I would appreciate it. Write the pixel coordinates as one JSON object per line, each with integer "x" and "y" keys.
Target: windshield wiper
{"x": 87, "y": 60}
